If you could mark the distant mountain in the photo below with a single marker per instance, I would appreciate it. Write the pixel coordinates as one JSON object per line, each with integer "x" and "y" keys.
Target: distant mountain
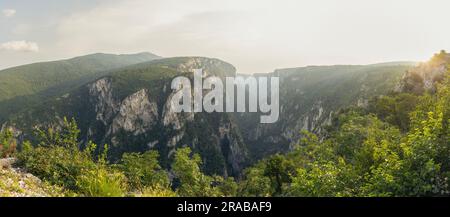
{"x": 24, "y": 86}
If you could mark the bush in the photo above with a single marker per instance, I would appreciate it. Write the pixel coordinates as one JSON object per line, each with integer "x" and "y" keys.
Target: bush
{"x": 101, "y": 182}
{"x": 157, "y": 191}
{"x": 59, "y": 160}
{"x": 143, "y": 170}
{"x": 57, "y": 164}
{"x": 193, "y": 183}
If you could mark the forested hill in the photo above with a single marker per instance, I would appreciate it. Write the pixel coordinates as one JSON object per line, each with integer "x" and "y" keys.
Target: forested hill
{"x": 27, "y": 85}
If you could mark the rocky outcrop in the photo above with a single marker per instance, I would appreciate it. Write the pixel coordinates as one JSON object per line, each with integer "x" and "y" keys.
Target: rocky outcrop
{"x": 174, "y": 119}
{"x": 6, "y": 163}
{"x": 15, "y": 182}
{"x": 101, "y": 97}
{"x": 136, "y": 114}
{"x": 232, "y": 147}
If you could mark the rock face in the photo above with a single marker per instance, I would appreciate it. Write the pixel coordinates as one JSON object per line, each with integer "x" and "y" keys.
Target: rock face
{"x": 100, "y": 93}
{"x": 173, "y": 119}
{"x": 136, "y": 114}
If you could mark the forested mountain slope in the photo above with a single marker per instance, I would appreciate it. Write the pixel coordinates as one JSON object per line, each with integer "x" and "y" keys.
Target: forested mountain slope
{"x": 309, "y": 96}
{"x": 28, "y": 85}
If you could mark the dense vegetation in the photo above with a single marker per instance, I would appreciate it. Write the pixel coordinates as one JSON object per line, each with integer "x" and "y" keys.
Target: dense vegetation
{"x": 381, "y": 151}
{"x": 58, "y": 160}
{"x": 7, "y": 144}
{"x": 398, "y": 146}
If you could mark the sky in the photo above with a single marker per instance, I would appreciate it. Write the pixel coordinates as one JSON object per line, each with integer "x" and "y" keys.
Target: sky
{"x": 256, "y": 36}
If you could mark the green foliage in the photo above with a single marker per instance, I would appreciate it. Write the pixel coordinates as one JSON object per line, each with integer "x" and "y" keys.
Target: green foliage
{"x": 322, "y": 178}
{"x": 279, "y": 170}
{"x": 227, "y": 186}
{"x": 7, "y": 143}
{"x": 255, "y": 182}
{"x": 101, "y": 182}
{"x": 395, "y": 109}
{"x": 58, "y": 160}
{"x": 143, "y": 170}
{"x": 401, "y": 149}
{"x": 56, "y": 164}
{"x": 157, "y": 191}
{"x": 66, "y": 137}
{"x": 192, "y": 182}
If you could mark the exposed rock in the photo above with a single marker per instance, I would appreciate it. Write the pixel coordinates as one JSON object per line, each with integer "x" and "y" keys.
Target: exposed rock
{"x": 6, "y": 163}
{"x": 101, "y": 96}
{"x": 152, "y": 144}
{"x": 136, "y": 114}
{"x": 14, "y": 182}
{"x": 170, "y": 117}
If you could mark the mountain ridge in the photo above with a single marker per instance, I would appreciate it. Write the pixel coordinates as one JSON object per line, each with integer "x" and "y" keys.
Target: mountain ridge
{"x": 29, "y": 84}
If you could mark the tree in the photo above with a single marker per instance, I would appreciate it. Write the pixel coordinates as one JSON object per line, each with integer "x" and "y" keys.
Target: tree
{"x": 255, "y": 183}
{"x": 7, "y": 143}
{"x": 65, "y": 136}
{"x": 59, "y": 160}
{"x": 192, "y": 182}
{"x": 279, "y": 171}
{"x": 143, "y": 170}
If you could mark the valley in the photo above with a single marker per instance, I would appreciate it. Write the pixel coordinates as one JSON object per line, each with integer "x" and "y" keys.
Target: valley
{"x": 121, "y": 109}
{"x": 128, "y": 108}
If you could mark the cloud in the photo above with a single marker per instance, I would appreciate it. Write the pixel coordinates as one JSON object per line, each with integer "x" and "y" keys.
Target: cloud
{"x": 197, "y": 28}
{"x": 9, "y": 12}
{"x": 21, "y": 46}
{"x": 255, "y": 35}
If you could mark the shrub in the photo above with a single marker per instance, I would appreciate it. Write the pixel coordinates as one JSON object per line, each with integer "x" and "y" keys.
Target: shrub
{"x": 7, "y": 144}
{"x": 57, "y": 164}
{"x": 193, "y": 183}
{"x": 143, "y": 170}
{"x": 59, "y": 160}
{"x": 157, "y": 191}
{"x": 101, "y": 182}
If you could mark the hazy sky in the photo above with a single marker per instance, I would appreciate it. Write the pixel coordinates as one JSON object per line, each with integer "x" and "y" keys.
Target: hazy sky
{"x": 254, "y": 35}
